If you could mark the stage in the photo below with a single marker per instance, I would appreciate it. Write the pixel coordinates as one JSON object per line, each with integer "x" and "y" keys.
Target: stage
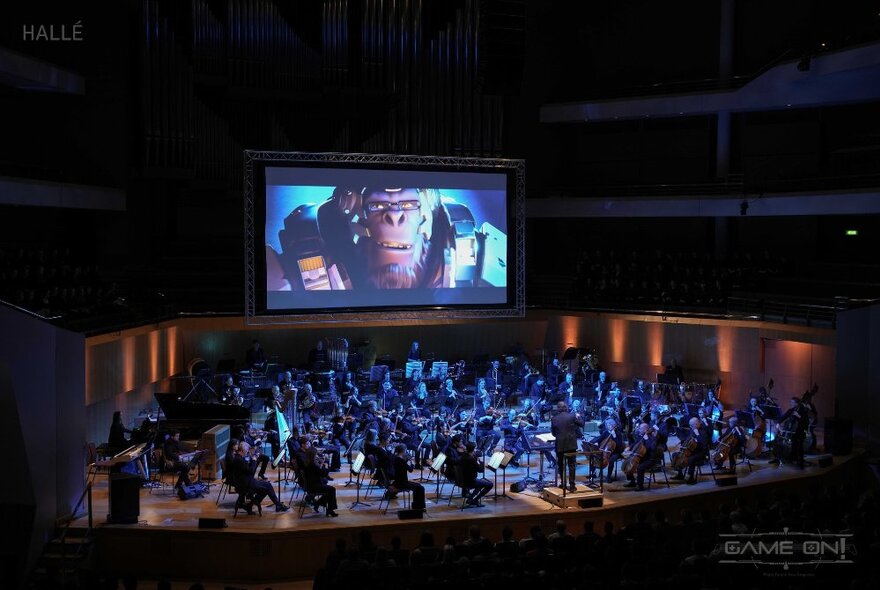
{"x": 167, "y": 541}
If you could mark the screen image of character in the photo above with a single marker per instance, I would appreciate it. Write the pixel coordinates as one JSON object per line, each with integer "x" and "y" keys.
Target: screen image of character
{"x": 385, "y": 238}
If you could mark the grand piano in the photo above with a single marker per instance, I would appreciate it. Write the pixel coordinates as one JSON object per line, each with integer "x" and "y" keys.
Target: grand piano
{"x": 198, "y": 417}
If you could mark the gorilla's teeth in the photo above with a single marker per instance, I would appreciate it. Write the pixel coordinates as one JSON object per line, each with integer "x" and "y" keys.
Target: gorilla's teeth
{"x": 395, "y": 245}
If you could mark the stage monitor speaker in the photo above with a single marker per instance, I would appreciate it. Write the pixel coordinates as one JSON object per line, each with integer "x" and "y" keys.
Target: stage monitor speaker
{"x": 518, "y": 486}
{"x": 594, "y": 502}
{"x": 410, "y": 514}
{"x": 723, "y": 482}
{"x": 212, "y": 523}
{"x": 838, "y": 436}
{"x": 125, "y": 499}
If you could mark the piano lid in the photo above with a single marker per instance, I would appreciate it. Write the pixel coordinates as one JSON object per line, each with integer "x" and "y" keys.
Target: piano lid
{"x": 178, "y": 410}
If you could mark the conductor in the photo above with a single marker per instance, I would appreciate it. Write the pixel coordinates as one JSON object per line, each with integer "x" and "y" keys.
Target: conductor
{"x": 566, "y": 427}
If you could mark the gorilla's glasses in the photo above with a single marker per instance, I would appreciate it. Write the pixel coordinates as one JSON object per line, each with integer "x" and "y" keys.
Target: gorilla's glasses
{"x": 383, "y": 206}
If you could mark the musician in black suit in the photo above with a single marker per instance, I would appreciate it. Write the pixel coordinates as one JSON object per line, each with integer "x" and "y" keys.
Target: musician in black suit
{"x": 117, "y": 442}
{"x": 493, "y": 378}
{"x": 402, "y": 466}
{"x": 653, "y": 456}
{"x": 701, "y": 437}
{"x": 737, "y": 441}
{"x": 315, "y": 474}
{"x": 610, "y": 429}
{"x": 554, "y": 373}
{"x": 792, "y": 427}
{"x": 470, "y": 468}
{"x": 242, "y": 478}
{"x": 171, "y": 452}
{"x": 255, "y": 357}
{"x": 566, "y": 427}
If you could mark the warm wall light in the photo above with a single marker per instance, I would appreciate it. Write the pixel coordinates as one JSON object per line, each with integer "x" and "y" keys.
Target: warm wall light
{"x": 128, "y": 363}
{"x": 171, "y": 347}
{"x": 619, "y": 332}
{"x": 655, "y": 343}
{"x": 154, "y": 355}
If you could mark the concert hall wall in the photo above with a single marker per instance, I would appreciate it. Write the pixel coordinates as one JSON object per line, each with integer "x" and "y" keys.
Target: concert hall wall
{"x": 42, "y": 415}
{"x": 858, "y": 374}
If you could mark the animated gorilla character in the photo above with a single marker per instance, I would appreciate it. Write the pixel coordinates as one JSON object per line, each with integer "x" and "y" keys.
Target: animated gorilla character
{"x": 380, "y": 238}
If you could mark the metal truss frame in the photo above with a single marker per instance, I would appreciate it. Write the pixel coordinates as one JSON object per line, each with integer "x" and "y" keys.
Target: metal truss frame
{"x": 517, "y": 309}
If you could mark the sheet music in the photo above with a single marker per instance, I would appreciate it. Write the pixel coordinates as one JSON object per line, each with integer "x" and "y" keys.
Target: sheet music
{"x": 546, "y": 437}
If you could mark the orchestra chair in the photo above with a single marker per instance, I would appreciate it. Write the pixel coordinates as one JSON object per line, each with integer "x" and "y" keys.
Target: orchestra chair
{"x": 706, "y": 461}
{"x": 240, "y": 502}
{"x": 459, "y": 475}
{"x": 661, "y": 468}
{"x": 744, "y": 458}
{"x": 407, "y": 500}
{"x": 159, "y": 476}
{"x": 225, "y": 486}
{"x": 96, "y": 465}
{"x": 377, "y": 475}
{"x": 316, "y": 496}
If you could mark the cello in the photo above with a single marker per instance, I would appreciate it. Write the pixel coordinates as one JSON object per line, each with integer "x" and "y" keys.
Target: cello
{"x": 639, "y": 450}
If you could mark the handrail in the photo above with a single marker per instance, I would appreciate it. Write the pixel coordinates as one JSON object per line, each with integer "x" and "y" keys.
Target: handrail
{"x": 86, "y": 495}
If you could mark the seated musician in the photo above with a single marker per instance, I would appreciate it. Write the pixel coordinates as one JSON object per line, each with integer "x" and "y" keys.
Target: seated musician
{"x": 453, "y": 450}
{"x": 792, "y": 427}
{"x": 375, "y": 446}
{"x": 243, "y": 435}
{"x": 700, "y": 437}
{"x": 712, "y": 405}
{"x": 511, "y": 429}
{"x": 315, "y": 474}
{"x": 308, "y": 407}
{"x": 414, "y": 380}
{"x": 651, "y": 460}
{"x": 270, "y": 427}
{"x": 407, "y": 431}
{"x": 230, "y": 393}
{"x": 704, "y": 419}
{"x": 242, "y": 478}
{"x": 737, "y": 442}
{"x": 470, "y": 469}
{"x": 642, "y": 392}
{"x": 388, "y": 394}
{"x": 554, "y": 373}
{"x": 117, "y": 442}
{"x": 610, "y": 430}
{"x": 339, "y": 432}
{"x": 493, "y": 378}
{"x": 536, "y": 391}
{"x": 565, "y": 391}
{"x": 171, "y": 453}
{"x": 481, "y": 392}
{"x": 421, "y": 400}
{"x": 486, "y": 434}
{"x": 255, "y": 357}
{"x": 401, "y": 482}
{"x": 753, "y": 408}
{"x": 465, "y": 425}
{"x": 447, "y": 395}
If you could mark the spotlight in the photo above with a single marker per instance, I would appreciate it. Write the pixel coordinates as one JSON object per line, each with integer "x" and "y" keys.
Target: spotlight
{"x": 744, "y": 207}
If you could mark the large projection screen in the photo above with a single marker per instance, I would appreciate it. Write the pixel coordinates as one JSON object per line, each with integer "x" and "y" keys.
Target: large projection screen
{"x": 342, "y": 237}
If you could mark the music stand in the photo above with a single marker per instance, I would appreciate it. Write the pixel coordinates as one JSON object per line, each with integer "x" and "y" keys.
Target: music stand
{"x": 435, "y": 467}
{"x": 422, "y": 445}
{"x": 499, "y": 461}
{"x": 413, "y": 366}
{"x": 439, "y": 369}
{"x": 276, "y": 461}
{"x": 356, "y": 468}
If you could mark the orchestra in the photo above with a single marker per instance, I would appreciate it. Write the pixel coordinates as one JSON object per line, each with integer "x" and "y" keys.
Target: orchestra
{"x": 467, "y": 414}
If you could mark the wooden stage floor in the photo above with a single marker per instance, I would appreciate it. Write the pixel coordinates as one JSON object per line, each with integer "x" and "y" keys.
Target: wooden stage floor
{"x": 282, "y": 546}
